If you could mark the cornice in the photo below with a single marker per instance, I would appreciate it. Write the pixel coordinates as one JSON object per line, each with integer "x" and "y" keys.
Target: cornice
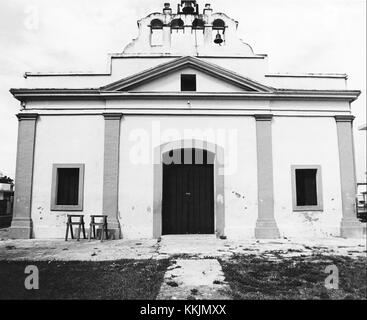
{"x": 97, "y": 94}
{"x": 308, "y": 75}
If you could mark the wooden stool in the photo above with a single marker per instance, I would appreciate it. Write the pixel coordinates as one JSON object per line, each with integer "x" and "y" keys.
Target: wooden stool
{"x": 70, "y": 223}
{"x": 102, "y": 224}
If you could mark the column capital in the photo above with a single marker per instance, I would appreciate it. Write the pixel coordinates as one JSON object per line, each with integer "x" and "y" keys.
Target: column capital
{"x": 264, "y": 117}
{"x": 112, "y": 116}
{"x": 345, "y": 118}
{"x": 27, "y": 116}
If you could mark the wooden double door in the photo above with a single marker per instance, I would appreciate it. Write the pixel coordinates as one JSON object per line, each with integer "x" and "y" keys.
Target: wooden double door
{"x": 188, "y": 195}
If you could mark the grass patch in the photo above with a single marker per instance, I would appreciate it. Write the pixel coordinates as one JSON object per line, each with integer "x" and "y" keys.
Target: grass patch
{"x": 255, "y": 278}
{"x": 118, "y": 280}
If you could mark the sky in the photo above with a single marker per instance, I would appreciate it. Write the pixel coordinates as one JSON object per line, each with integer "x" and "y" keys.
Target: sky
{"x": 300, "y": 36}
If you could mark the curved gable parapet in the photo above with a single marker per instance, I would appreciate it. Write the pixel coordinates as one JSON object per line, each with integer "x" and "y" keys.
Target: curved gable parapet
{"x": 225, "y": 18}
{"x": 190, "y": 35}
{"x": 197, "y": 33}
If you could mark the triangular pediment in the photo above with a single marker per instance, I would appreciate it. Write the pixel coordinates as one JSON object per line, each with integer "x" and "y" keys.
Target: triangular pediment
{"x": 214, "y": 76}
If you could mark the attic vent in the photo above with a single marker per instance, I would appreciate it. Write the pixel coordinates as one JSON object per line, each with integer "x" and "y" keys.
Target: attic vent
{"x": 188, "y": 82}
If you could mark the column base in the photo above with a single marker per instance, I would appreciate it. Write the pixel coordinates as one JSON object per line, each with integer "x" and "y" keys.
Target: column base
{"x": 266, "y": 229}
{"x": 220, "y": 234}
{"x": 114, "y": 230}
{"x": 21, "y": 229}
{"x": 351, "y": 228}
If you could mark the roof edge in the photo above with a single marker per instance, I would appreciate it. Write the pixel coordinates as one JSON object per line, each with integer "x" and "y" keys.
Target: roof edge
{"x": 307, "y": 75}
{"x": 24, "y": 94}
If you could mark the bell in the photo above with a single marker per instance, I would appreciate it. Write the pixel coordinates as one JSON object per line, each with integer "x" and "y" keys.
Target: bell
{"x": 188, "y": 7}
{"x": 218, "y": 39}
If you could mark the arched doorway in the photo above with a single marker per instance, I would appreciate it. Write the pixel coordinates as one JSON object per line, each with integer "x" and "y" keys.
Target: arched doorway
{"x": 161, "y": 152}
{"x": 188, "y": 192}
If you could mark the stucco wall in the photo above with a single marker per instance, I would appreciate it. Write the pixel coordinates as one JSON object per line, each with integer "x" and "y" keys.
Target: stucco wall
{"x": 120, "y": 67}
{"x": 307, "y": 82}
{"x": 66, "y": 139}
{"x": 136, "y": 179}
{"x": 80, "y": 139}
{"x": 306, "y": 141}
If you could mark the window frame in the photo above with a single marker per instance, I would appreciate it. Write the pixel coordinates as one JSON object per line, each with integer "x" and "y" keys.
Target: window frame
{"x": 54, "y": 205}
{"x": 191, "y": 75}
{"x": 319, "y": 193}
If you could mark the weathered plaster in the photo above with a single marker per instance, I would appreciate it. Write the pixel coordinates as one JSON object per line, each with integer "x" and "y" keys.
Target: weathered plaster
{"x": 140, "y": 190}
{"x": 65, "y": 140}
{"x": 306, "y": 141}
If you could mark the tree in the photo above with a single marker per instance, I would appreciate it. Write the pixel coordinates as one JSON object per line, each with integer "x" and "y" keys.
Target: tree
{"x": 6, "y": 179}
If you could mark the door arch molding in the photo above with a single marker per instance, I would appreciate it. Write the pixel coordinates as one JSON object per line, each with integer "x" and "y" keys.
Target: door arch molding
{"x": 219, "y": 195}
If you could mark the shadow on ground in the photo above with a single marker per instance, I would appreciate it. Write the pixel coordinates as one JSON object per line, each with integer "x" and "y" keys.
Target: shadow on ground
{"x": 118, "y": 280}
{"x": 257, "y": 278}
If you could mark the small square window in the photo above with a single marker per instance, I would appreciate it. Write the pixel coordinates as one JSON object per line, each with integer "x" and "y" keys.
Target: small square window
{"x": 307, "y": 188}
{"x": 67, "y": 187}
{"x": 188, "y": 82}
{"x": 67, "y": 193}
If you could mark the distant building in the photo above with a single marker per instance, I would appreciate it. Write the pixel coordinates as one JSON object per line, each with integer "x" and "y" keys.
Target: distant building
{"x": 6, "y": 202}
{"x": 187, "y": 133}
{"x": 362, "y": 193}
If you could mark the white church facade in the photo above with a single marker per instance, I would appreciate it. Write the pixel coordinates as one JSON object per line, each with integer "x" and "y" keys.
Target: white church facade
{"x": 187, "y": 133}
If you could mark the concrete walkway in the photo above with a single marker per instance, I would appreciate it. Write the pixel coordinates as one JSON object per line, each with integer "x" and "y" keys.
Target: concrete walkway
{"x": 204, "y": 246}
{"x": 194, "y": 280}
{"x": 176, "y": 247}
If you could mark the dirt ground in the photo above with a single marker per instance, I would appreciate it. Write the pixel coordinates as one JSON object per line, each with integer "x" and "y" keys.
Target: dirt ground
{"x": 118, "y": 280}
{"x": 298, "y": 278}
{"x": 165, "y": 269}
